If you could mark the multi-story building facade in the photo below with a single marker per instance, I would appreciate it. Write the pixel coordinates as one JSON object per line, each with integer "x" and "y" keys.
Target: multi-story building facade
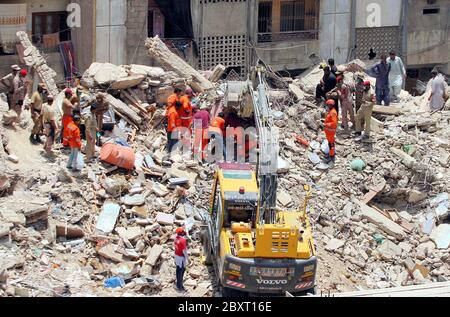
{"x": 289, "y": 35}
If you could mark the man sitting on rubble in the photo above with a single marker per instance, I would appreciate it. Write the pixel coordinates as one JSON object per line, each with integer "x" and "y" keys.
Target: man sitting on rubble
{"x": 68, "y": 109}
{"x": 364, "y": 115}
{"x": 326, "y": 85}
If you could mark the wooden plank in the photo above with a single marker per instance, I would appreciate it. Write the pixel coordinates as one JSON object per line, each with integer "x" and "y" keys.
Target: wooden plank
{"x": 374, "y": 191}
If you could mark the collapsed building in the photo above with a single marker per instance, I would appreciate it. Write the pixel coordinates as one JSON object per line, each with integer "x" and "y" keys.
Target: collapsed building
{"x": 379, "y": 225}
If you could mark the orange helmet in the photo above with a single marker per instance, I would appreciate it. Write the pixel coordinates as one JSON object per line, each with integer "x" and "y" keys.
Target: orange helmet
{"x": 179, "y": 230}
{"x": 331, "y": 102}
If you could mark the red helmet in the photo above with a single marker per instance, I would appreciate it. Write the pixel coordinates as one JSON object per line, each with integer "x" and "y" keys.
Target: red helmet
{"x": 23, "y": 72}
{"x": 331, "y": 102}
{"x": 340, "y": 78}
{"x": 68, "y": 91}
{"x": 367, "y": 83}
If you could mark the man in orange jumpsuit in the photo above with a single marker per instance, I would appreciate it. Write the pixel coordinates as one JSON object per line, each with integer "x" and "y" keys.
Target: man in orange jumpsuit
{"x": 219, "y": 122}
{"x": 173, "y": 122}
{"x": 186, "y": 110}
{"x": 330, "y": 127}
{"x": 173, "y": 98}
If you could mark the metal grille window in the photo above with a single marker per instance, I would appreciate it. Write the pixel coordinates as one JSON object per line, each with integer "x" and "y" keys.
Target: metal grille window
{"x": 292, "y": 16}
{"x": 265, "y": 17}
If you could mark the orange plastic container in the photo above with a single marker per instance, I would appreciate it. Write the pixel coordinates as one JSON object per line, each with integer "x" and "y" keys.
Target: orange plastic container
{"x": 118, "y": 155}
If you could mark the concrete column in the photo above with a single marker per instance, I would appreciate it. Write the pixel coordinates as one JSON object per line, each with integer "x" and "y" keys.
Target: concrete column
{"x": 335, "y": 32}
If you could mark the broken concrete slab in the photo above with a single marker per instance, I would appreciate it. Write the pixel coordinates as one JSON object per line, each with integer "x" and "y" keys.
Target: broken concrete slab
{"x": 8, "y": 215}
{"x": 35, "y": 213}
{"x": 158, "y": 50}
{"x": 415, "y": 196}
{"x": 159, "y": 189}
{"x": 153, "y": 254}
{"x": 202, "y": 289}
{"x": 108, "y": 217}
{"x": 388, "y": 250}
{"x": 130, "y": 234}
{"x": 217, "y": 73}
{"x": 173, "y": 182}
{"x": 284, "y": 198}
{"x": 140, "y": 211}
{"x": 5, "y": 229}
{"x": 165, "y": 219}
{"x": 109, "y": 252}
{"x": 133, "y": 200}
{"x": 127, "y": 82}
{"x": 334, "y": 244}
{"x": 441, "y": 236}
{"x": 384, "y": 223}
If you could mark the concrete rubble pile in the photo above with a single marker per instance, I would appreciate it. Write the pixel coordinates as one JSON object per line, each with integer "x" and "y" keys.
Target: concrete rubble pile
{"x": 109, "y": 232}
{"x": 388, "y": 223}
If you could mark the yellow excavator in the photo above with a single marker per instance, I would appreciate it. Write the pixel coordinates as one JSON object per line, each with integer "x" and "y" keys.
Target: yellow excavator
{"x": 255, "y": 247}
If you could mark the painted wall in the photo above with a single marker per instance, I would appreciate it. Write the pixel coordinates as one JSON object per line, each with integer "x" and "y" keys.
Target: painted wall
{"x": 40, "y": 6}
{"x": 429, "y": 35}
{"x": 389, "y": 11}
{"x": 225, "y": 19}
{"x": 335, "y": 29}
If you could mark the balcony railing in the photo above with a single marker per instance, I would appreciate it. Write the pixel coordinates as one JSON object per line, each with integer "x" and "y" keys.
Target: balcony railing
{"x": 288, "y": 36}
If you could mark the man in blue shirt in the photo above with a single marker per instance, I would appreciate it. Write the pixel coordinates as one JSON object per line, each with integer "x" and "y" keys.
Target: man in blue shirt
{"x": 381, "y": 72}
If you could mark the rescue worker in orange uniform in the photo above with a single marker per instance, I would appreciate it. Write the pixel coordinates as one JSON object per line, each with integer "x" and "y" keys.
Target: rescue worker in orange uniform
{"x": 173, "y": 98}
{"x": 186, "y": 111}
{"x": 219, "y": 122}
{"x": 330, "y": 127}
{"x": 173, "y": 122}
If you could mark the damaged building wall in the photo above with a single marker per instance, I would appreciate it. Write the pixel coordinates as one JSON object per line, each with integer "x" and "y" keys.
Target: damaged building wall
{"x": 53, "y": 56}
{"x": 429, "y": 34}
{"x": 137, "y": 32}
{"x": 221, "y": 33}
{"x": 83, "y": 37}
{"x": 335, "y": 29}
{"x": 111, "y": 31}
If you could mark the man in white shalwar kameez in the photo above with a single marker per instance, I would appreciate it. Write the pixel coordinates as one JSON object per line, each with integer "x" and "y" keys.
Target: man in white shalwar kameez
{"x": 438, "y": 86}
{"x": 396, "y": 76}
